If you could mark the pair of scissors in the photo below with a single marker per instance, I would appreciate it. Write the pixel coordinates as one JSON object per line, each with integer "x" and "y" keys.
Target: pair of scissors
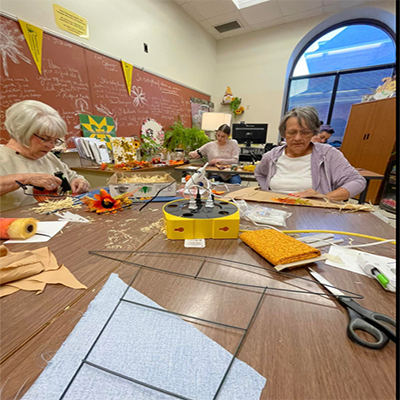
{"x": 362, "y": 319}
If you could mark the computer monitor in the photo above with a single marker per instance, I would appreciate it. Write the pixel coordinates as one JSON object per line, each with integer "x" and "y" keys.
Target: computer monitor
{"x": 250, "y": 133}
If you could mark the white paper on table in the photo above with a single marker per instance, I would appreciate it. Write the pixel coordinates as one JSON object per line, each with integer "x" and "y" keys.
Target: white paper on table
{"x": 50, "y": 228}
{"x": 349, "y": 258}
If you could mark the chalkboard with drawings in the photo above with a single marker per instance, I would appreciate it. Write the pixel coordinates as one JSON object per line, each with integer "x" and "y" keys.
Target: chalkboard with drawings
{"x": 76, "y": 80}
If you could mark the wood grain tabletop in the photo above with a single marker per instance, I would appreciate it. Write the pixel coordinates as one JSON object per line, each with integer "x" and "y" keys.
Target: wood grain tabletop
{"x": 297, "y": 340}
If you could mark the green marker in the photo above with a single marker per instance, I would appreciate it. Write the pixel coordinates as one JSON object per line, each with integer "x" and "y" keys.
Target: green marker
{"x": 380, "y": 277}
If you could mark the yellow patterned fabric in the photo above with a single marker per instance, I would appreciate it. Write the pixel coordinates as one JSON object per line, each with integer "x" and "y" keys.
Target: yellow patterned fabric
{"x": 278, "y": 248}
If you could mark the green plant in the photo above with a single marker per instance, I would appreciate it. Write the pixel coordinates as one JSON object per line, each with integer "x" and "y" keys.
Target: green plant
{"x": 187, "y": 139}
{"x": 149, "y": 148}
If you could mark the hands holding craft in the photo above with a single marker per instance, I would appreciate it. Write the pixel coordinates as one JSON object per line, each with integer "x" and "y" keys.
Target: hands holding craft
{"x": 309, "y": 193}
{"x": 35, "y": 129}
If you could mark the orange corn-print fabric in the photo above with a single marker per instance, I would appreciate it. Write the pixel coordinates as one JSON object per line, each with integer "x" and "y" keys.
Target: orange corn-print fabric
{"x": 278, "y": 248}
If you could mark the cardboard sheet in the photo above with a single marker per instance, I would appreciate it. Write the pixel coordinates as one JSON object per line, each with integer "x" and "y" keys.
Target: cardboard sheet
{"x": 254, "y": 193}
{"x": 153, "y": 347}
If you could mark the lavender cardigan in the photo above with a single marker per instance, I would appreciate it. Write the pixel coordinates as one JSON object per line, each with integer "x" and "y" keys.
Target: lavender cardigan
{"x": 329, "y": 170}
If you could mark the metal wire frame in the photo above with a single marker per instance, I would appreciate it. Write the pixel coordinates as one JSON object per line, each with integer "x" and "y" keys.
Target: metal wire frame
{"x": 122, "y": 299}
{"x": 349, "y": 294}
{"x": 196, "y": 276}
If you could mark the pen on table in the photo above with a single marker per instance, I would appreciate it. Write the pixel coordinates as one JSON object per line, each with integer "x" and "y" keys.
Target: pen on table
{"x": 380, "y": 277}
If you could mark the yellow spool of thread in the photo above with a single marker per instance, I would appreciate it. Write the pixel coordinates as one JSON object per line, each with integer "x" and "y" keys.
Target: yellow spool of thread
{"x": 17, "y": 228}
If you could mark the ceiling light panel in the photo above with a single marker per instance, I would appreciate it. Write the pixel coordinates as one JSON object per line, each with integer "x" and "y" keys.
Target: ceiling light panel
{"x": 247, "y": 3}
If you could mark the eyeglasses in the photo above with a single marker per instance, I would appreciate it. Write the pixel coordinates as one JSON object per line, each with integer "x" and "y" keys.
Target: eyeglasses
{"x": 56, "y": 142}
{"x": 303, "y": 133}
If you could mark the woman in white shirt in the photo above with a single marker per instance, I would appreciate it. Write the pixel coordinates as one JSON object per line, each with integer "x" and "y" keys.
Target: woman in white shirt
{"x": 35, "y": 128}
{"x": 222, "y": 151}
{"x": 306, "y": 169}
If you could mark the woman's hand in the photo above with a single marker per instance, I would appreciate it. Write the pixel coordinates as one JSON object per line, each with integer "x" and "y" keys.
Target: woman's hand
{"x": 194, "y": 154}
{"x": 49, "y": 182}
{"x": 79, "y": 185}
{"x": 213, "y": 162}
{"x": 308, "y": 193}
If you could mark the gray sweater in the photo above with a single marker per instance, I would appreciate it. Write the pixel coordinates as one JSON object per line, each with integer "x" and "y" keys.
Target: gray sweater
{"x": 329, "y": 170}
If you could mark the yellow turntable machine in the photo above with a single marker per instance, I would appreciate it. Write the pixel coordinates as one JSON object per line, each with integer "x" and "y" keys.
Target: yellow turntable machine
{"x": 219, "y": 222}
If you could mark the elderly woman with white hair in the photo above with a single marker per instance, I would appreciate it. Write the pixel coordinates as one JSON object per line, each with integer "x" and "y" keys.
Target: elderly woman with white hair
{"x": 35, "y": 129}
{"x": 303, "y": 168}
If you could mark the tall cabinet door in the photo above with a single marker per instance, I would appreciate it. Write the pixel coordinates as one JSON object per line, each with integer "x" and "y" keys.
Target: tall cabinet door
{"x": 379, "y": 143}
{"x": 356, "y": 132}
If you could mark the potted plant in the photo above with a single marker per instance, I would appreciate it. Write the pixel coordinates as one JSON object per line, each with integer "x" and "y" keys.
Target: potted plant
{"x": 149, "y": 148}
{"x": 187, "y": 139}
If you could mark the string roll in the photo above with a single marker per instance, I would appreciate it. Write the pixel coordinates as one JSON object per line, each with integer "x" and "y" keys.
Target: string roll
{"x": 17, "y": 228}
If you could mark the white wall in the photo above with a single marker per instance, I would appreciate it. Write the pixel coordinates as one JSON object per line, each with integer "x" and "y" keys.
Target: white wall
{"x": 254, "y": 66}
{"x": 179, "y": 48}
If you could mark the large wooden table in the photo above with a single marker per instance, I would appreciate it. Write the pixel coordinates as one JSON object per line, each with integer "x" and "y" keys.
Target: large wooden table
{"x": 297, "y": 341}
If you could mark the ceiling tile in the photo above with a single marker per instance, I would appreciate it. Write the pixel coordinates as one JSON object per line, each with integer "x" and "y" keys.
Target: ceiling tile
{"x": 229, "y": 17}
{"x": 205, "y": 24}
{"x": 268, "y": 24}
{"x": 289, "y": 7}
{"x": 340, "y": 5}
{"x": 327, "y": 2}
{"x": 192, "y": 12}
{"x": 233, "y": 33}
{"x": 212, "y": 8}
{"x": 351, "y": 3}
{"x": 330, "y": 8}
{"x": 261, "y": 12}
{"x": 303, "y": 15}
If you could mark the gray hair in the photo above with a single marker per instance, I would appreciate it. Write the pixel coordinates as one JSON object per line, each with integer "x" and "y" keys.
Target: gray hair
{"x": 27, "y": 117}
{"x": 307, "y": 114}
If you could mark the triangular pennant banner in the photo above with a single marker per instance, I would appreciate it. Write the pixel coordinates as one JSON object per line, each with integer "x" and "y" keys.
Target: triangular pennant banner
{"x": 128, "y": 69}
{"x": 34, "y": 39}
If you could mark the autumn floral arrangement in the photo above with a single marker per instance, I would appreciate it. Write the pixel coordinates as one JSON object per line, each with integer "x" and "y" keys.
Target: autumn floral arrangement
{"x": 234, "y": 102}
{"x": 104, "y": 203}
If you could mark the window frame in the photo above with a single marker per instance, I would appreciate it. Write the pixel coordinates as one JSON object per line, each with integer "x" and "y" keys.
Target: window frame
{"x": 337, "y": 74}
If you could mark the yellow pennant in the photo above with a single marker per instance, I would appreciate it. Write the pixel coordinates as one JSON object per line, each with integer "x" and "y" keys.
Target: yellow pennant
{"x": 128, "y": 69}
{"x": 34, "y": 38}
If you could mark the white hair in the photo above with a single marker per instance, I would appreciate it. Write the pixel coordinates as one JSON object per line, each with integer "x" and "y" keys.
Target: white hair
{"x": 27, "y": 117}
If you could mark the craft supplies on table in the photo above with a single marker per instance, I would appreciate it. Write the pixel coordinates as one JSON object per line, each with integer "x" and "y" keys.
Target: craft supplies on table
{"x": 148, "y": 184}
{"x": 151, "y": 350}
{"x": 17, "y": 228}
{"x": 45, "y": 231}
{"x": 278, "y": 248}
{"x": 384, "y": 273}
{"x": 221, "y": 221}
{"x": 32, "y": 270}
{"x": 254, "y": 193}
{"x": 362, "y": 319}
{"x": 363, "y": 263}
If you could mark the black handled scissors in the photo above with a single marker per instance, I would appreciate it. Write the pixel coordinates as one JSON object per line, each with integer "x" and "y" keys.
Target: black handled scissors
{"x": 362, "y": 319}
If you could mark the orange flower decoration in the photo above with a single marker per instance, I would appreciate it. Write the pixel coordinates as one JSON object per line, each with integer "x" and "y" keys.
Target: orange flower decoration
{"x": 103, "y": 203}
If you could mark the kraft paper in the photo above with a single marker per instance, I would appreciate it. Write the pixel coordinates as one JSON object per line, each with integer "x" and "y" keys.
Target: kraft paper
{"x": 32, "y": 270}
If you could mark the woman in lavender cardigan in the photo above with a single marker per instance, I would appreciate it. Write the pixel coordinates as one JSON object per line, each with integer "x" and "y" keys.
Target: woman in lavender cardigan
{"x": 306, "y": 169}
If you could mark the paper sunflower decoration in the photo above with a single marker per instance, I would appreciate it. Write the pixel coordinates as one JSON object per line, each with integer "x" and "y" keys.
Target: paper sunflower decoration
{"x": 105, "y": 203}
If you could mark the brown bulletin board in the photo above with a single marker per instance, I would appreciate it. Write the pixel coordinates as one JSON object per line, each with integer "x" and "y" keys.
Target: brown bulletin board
{"x": 64, "y": 83}
{"x": 76, "y": 81}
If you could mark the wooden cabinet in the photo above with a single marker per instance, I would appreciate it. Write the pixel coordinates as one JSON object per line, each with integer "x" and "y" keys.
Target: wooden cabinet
{"x": 370, "y": 139}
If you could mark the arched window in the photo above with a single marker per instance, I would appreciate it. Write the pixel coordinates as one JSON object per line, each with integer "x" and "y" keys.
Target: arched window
{"x": 338, "y": 68}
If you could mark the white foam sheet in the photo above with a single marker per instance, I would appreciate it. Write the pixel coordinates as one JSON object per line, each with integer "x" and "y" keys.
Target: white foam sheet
{"x": 151, "y": 346}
